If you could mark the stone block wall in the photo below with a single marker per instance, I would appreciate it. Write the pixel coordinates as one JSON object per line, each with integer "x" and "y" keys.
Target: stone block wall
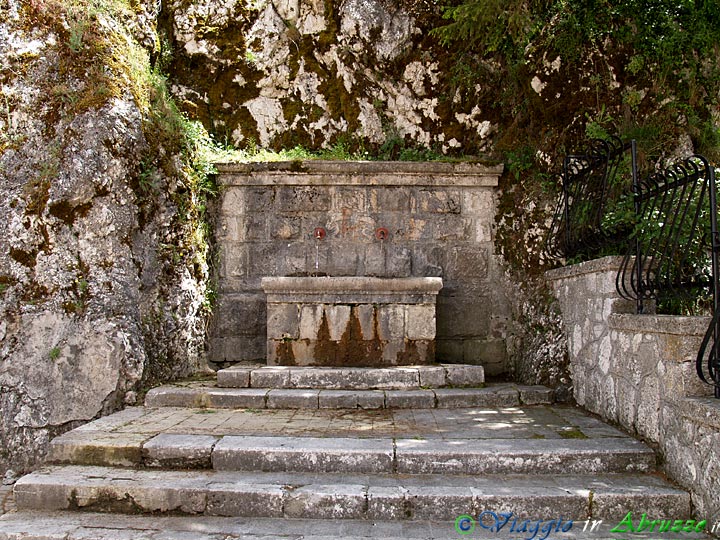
{"x": 439, "y": 218}
{"x": 638, "y": 371}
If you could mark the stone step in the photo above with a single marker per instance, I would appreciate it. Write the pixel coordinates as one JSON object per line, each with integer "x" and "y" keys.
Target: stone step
{"x": 333, "y": 496}
{"x": 501, "y": 395}
{"x": 337, "y": 378}
{"x": 355, "y": 455}
{"x": 34, "y": 525}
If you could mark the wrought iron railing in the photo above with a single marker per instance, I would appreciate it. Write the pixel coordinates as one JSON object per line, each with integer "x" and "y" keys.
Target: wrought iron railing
{"x": 670, "y": 231}
{"x": 676, "y": 245}
{"x": 590, "y": 182}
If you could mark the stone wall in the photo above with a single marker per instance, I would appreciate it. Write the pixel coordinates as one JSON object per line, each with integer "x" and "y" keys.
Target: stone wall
{"x": 439, "y": 218}
{"x": 638, "y": 371}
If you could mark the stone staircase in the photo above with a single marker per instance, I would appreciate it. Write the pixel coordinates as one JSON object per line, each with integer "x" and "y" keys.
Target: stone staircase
{"x": 319, "y": 453}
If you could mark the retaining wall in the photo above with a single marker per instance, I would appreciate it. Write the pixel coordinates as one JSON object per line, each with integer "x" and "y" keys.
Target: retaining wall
{"x": 638, "y": 371}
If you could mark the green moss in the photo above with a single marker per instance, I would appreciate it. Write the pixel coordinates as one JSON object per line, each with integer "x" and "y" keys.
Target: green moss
{"x": 26, "y": 258}
{"x": 572, "y": 433}
{"x": 340, "y": 104}
{"x": 67, "y": 213}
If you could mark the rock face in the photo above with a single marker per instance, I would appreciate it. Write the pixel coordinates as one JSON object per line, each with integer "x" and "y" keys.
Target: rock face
{"x": 284, "y": 72}
{"x": 90, "y": 304}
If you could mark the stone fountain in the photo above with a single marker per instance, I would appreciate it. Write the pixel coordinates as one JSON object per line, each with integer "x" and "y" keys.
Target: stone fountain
{"x": 358, "y": 264}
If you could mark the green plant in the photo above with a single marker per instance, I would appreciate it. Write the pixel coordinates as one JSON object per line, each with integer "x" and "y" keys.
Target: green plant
{"x": 632, "y": 98}
{"x": 77, "y": 32}
{"x": 394, "y": 149}
{"x": 520, "y": 161}
{"x": 54, "y": 353}
{"x": 491, "y": 25}
{"x": 636, "y": 64}
{"x": 397, "y": 148}
{"x": 600, "y": 126}
{"x": 339, "y": 151}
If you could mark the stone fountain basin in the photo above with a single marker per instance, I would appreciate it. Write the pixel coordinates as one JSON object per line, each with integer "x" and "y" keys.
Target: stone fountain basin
{"x": 350, "y": 321}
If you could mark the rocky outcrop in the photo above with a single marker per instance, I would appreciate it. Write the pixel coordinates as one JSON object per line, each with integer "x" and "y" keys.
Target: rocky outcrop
{"x": 283, "y": 72}
{"x": 101, "y": 284}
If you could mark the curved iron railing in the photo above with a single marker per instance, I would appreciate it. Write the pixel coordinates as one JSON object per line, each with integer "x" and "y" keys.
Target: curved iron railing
{"x": 671, "y": 231}
{"x": 676, "y": 246}
{"x": 707, "y": 364}
{"x": 590, "y": 181}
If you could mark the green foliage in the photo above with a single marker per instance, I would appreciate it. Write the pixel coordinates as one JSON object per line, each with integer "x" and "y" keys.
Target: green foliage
{"x": 706, "y": 136}
{"x": 393, "y": 149}
{"x": 253, "y": 153}
{"x": 396, "y": 148}
{"x": 340, "y": 151}
{"x": 672, "y": 52}
{"x": 54, "y": 353}
{"x": 77, "y": 32}
{"x": 520, "y": 161}
{"x": 490, "y": 25}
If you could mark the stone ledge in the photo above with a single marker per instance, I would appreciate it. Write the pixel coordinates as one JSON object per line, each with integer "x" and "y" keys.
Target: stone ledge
{"x": 259, "y": 398}
{"x": 659, "y": 324}
{"x": 374, "y": 173}
{"x": 605, "y": 264}
{"x": 36, "y": 525}
{"x": 351, "y": 284}
{"x": 354, "y": 378}
{"x": 705, "y": 411}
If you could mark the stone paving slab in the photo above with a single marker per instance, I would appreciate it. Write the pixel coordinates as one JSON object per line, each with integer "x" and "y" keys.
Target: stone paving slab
{"x": 205, "y": 395}
{"x": 523, "y": 456}
{"x": 537, "y": 422}
{"x": 98, "y": 448}
{"x": 178, "y": 450}
{"x": 328, "y": 496}
{"x": 351, "y": 399}
{"x": 338, "y": 378}
{"x": 30, "y": 525}
{"x": 494, "y": 396}
{"x": 304, "y": 454}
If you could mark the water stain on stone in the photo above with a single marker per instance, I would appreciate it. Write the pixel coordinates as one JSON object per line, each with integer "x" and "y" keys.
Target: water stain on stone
{"x": 352, "y": 349}
{"x": 285, "y": 354}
